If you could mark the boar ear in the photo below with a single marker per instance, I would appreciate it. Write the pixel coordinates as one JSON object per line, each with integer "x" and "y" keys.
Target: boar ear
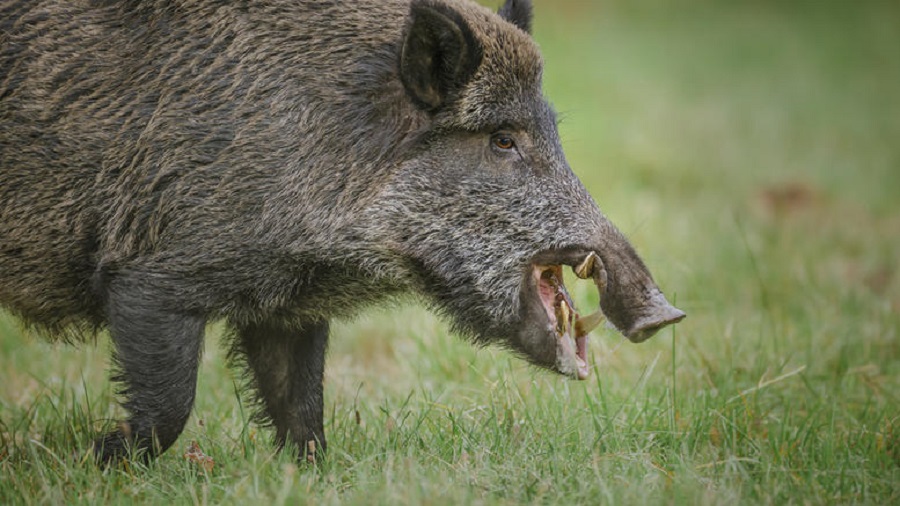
{"x": 517, "y": 12}
{"x": 439, "y": 56}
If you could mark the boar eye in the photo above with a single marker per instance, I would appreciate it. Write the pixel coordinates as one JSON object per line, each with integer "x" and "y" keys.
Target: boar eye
{"x": 503, "y": 141}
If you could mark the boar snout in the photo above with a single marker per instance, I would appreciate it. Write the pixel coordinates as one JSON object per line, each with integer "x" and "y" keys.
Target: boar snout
{"x": 632, "y": 301}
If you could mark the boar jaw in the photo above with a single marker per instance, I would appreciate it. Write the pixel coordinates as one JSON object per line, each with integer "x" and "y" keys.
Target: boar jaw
{"x": 555, "y": 334}
{"x": 561, "y": 320}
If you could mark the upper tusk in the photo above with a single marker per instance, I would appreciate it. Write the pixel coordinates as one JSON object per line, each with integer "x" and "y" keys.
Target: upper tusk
{"x": 585, "y": 269}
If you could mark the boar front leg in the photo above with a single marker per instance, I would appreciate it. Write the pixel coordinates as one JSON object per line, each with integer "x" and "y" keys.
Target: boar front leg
{"x": 287, "y": 366}
{"x": 156, "y": 354}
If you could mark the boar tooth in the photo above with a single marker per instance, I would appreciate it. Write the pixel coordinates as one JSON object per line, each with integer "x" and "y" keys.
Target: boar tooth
{"x": 583, "y": 325}
{"x": 562, "y": 317}
{"x": 585, "y": 269}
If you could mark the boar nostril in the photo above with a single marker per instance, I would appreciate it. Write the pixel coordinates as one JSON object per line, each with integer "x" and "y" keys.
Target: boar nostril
{"x": 660, "y": 317}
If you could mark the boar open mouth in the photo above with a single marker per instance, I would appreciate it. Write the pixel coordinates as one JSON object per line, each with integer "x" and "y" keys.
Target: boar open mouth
{"x": 635, "y": 307}
{"x": 570, "y": 328}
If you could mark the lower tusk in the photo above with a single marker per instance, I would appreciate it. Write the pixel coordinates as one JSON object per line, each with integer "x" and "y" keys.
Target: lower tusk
{"x": 563, "y": 313}
{"x": 584, "y": 325}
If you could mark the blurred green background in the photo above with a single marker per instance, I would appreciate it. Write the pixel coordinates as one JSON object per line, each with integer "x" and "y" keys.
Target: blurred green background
{"x": 750, "y": 149}
{"x": 751, "y": 152}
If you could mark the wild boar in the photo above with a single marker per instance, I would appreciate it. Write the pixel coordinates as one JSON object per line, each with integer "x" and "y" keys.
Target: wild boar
{"x": 280, "y": 163}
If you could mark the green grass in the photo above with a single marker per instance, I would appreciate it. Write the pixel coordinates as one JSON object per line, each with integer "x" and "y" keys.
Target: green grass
{"x": 750, "y": 151}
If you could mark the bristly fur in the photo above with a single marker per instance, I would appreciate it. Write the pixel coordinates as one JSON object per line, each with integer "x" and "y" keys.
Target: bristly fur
{"x": 277, "y": 165}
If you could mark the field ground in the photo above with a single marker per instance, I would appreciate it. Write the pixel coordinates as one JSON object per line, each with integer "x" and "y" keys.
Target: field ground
{"x": 751, "y": 151}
